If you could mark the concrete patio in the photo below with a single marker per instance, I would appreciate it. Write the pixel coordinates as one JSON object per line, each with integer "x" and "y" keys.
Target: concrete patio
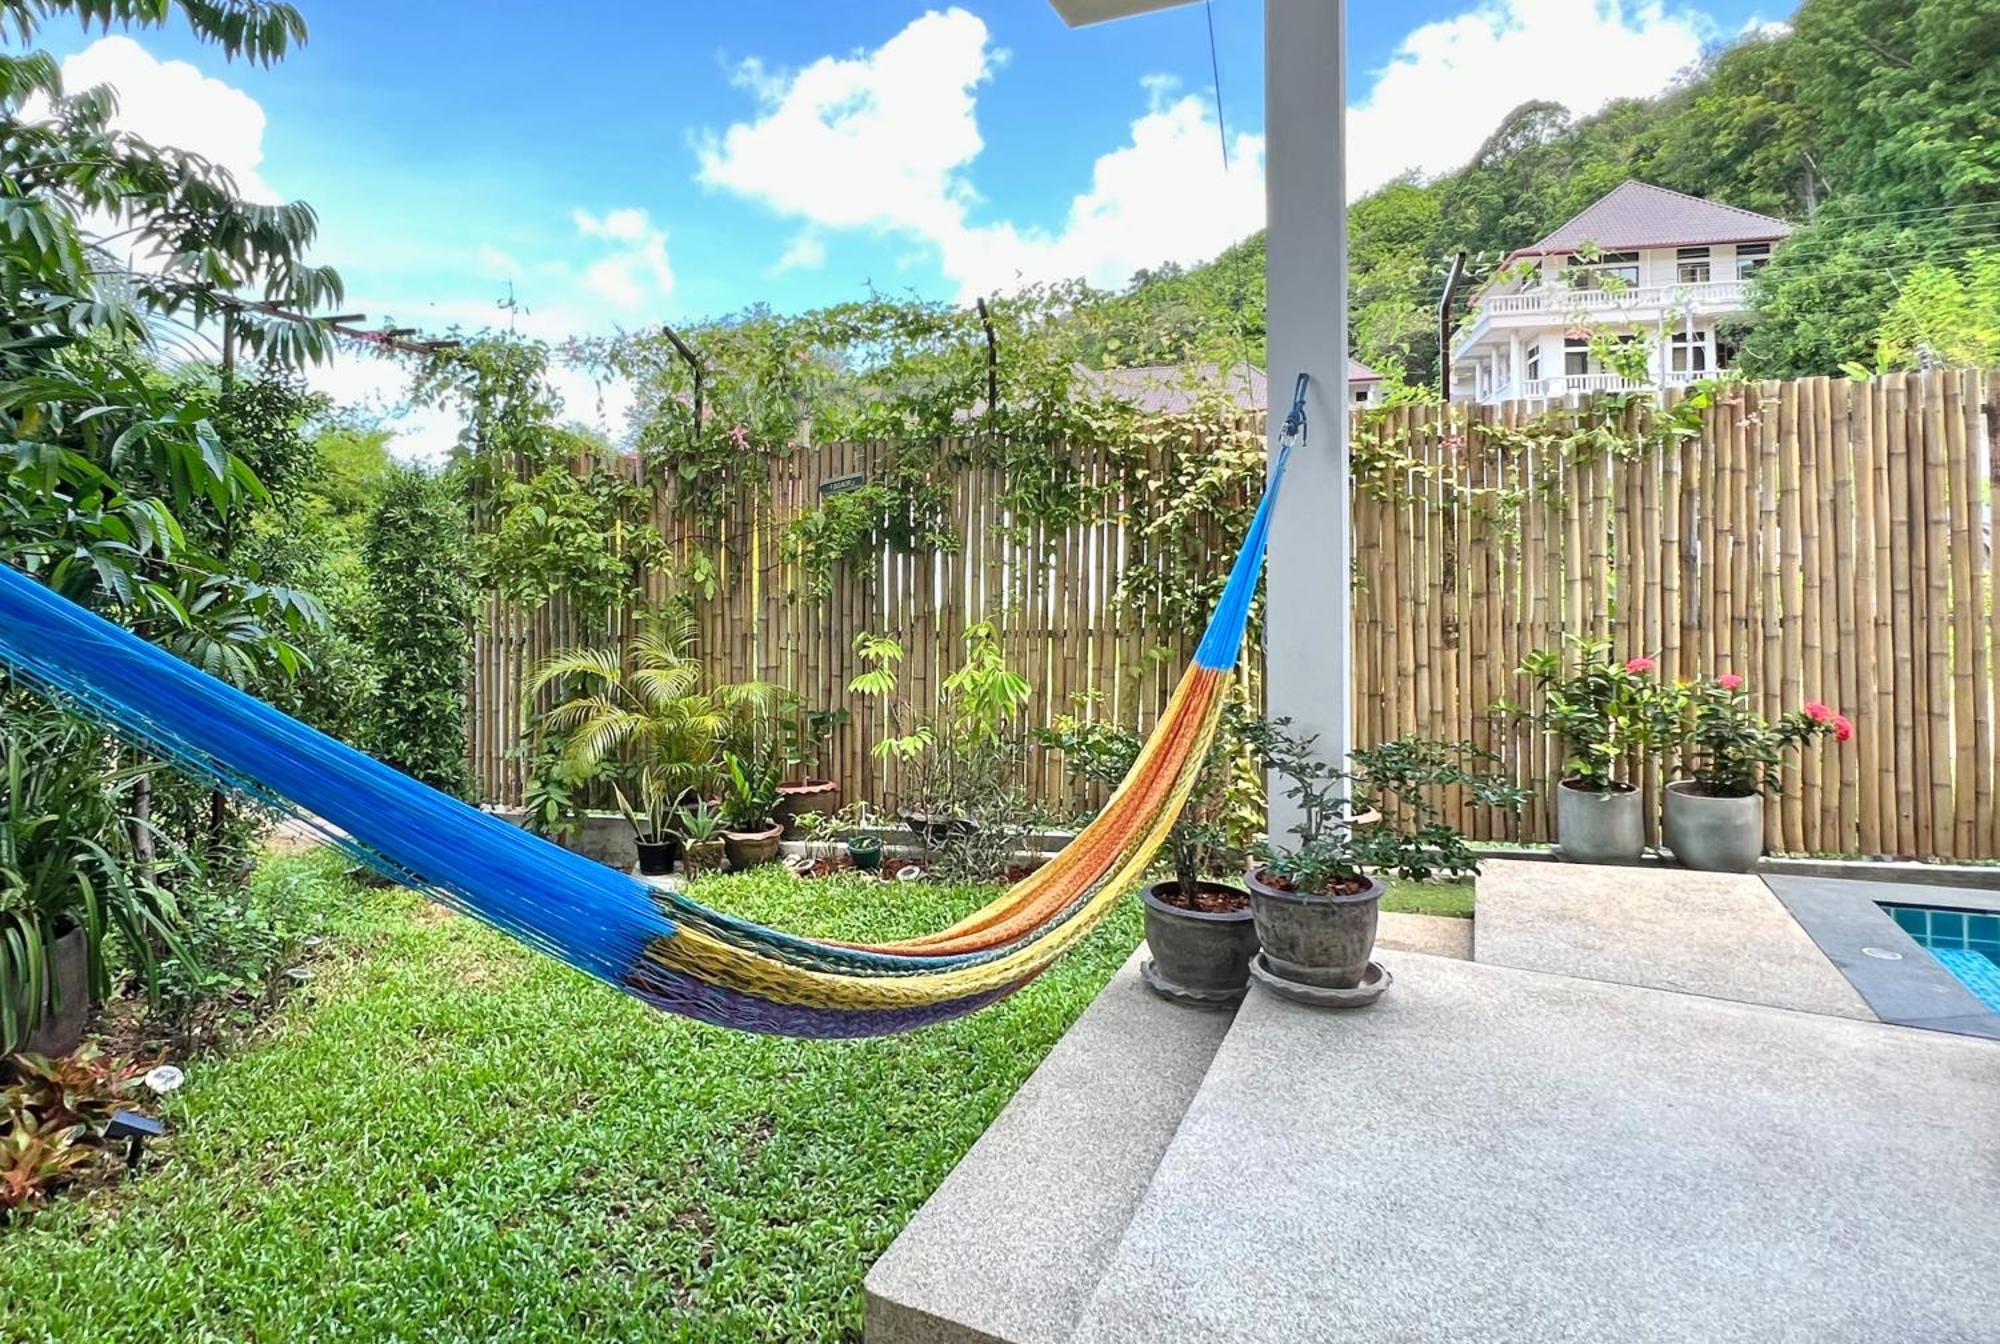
{"x": 1649, "y": 1109}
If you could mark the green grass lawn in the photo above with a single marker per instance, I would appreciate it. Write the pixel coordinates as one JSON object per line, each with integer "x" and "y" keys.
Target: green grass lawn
{"x": 445, "y": 1137}
{"x": 1430, "y": 898}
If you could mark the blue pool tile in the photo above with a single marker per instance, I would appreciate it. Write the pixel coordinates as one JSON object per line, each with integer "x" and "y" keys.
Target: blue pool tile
{"x": 1982, "y": 928}
{"x": 1915, "y": 922}
{"x": 1979, "y": 972}
{"x": 1947, "y": 928}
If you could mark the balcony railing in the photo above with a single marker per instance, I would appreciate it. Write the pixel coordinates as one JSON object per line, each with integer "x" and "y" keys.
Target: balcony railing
{"x": 1557, "y": 302}
{"x": 1578, "y": 385}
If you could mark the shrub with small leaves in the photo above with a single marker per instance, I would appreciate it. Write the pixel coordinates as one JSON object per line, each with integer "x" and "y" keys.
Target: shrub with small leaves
{"x": 419, "y": 629}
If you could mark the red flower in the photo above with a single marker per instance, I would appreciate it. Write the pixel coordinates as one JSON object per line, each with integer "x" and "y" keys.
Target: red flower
{"x": 1843, "y": 728}
{"x": 1729, "y": 681}
{"x": 1638, "y": 665}
{"x": 1818, "y": 712}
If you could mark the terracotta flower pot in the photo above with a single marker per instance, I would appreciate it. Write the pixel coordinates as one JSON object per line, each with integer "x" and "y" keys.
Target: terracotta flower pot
{"x": 813, "y": 795}
{"x": 748, "y": 849}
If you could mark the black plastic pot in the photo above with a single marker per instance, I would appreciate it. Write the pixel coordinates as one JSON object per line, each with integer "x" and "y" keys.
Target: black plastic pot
{"x": 1323, "y": 941}
{"x": 749, "y": 849}
{"x": 658, "y": 854}
{"x": 866, "y": 851}
{"x": 1199, "y": 958}
{"x": 934, "y": 830}
{"x": 66, "y": 1009}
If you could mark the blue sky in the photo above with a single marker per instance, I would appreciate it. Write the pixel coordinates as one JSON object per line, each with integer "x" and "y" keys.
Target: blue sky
{"x": 619, "y": 162}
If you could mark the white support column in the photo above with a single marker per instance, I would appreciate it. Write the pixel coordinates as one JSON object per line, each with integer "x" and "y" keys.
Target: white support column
{"x": 1310, "y": 590}
{"x": 1515, "y": 376}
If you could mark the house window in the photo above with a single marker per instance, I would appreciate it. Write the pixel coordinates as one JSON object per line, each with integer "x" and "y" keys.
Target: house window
{"x": 1361, "y": 396}
{"x": 1592, "y": 272}
{"x": 1576, "y": 356}
{"x": 1691, "y": 266}
{"x": 1750, "y": 258}
{"x": 1534, "y": 363}
{"x": 1689, "y": 354}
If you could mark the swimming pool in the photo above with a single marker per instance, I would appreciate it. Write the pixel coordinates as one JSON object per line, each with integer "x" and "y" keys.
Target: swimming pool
{"x": 1965, "y": 942}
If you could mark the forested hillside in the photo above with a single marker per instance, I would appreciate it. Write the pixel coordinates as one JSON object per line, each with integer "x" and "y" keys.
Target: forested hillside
{"x": 1873, "y": 123}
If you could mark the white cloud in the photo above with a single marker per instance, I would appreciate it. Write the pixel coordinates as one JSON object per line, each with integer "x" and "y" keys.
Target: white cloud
{"x": 871, "y": 141}
{"x": 806, "y": 252}
{"x": 172, "y": 103}
{"x": 1449, "y": 83}
{"x": 636, "y": 271}
{"x": 883, "y": 141}
{"x": 1164, "y": 196}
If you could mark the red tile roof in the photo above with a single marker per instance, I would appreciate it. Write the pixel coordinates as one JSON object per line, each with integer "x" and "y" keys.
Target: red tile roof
{"x": 1635, "y": 215}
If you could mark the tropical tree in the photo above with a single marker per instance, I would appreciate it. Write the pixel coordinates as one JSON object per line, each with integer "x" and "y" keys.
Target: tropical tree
{"x": 642, "y": 712}
{"x": 112, "y": 251}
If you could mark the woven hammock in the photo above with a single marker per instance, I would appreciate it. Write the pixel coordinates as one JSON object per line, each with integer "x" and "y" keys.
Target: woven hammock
{"x": 659, "y": 946}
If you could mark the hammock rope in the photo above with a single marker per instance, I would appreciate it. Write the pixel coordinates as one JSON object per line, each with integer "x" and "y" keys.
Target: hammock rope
{"x": 666, "y": 949}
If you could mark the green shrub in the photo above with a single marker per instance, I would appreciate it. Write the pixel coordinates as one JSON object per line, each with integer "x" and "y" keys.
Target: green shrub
{"x": 66, "y": 861}
{"x": 240, "y": 940}
{"x": 419, "y": 628}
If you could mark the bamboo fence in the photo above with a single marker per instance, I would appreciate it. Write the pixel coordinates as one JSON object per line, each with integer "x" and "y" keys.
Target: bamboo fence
{"x": 1825, "y": 539}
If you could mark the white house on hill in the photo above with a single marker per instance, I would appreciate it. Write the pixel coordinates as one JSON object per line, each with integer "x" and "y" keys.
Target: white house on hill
{"x": 1643, "y": 264}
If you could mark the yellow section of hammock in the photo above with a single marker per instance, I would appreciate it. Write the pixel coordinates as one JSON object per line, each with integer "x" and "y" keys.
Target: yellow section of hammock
{"x": 1086, "y": 878}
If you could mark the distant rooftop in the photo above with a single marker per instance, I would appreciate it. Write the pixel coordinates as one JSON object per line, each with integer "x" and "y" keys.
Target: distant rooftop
{"x": 1636, "y": 214}
{"x": 1173, "y": 389}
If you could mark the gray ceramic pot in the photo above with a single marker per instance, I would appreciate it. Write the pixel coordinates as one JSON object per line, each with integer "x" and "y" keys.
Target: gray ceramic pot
{"x": 1197, "y": 956}
{"x": 1323, "y": 941}
{"x": 66, "y": 1010}
{"x": 1600, "y": 826}
{"x": 1715, "y": 835}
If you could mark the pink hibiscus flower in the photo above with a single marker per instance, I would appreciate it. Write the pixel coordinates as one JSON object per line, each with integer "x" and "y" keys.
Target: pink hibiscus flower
{"x": 1729, "y": 681}
{"x": 1819, "y": 711}
{"x": 1843, "y": 728}
{"x": 1639, "y": 665}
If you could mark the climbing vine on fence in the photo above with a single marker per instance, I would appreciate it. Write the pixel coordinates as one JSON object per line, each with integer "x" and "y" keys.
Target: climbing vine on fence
{"x": 937, "y": 390}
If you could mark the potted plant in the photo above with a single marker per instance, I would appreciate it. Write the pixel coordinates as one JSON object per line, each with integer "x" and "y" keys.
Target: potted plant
{"x": 72, "y": 879}
{"x": 1604, "y": 713}
{"x": 804, "y": 738}
{"x": 750, "y": 830}
{"x": 1315, "y": 897}
{"x": 865, "y": 852}
{"x": 700, "y": 831}
{"x": 1199, "y": 930}
{"x": 1734, "y": 758}
{"x": 642, "y": 717}
{"x": 968, "y": 753}
{"x": 659, "y": 849}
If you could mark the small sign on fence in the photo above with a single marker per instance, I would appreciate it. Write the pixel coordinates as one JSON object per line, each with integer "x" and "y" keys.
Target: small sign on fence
{"x": 842, "y": 485}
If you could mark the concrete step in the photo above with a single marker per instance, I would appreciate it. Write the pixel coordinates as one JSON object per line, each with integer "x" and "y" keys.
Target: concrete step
{"x": 1499, "y": 1154}
{"x": 1012, "y": 1245}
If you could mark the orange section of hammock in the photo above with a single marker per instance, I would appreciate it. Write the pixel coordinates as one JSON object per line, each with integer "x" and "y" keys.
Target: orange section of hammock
{"x": 1099, "y": 848}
